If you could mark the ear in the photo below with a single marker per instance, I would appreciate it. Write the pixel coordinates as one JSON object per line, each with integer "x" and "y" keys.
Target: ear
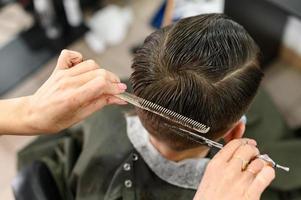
{"x": 236, "y": 132}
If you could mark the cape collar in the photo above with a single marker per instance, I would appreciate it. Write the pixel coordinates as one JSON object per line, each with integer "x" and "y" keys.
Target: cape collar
{"x": 186, "y": 173}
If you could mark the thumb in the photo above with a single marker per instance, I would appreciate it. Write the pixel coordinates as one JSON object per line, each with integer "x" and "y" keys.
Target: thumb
{"x": 68, "y": 59}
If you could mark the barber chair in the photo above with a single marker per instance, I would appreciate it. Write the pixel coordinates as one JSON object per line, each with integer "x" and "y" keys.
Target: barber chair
{"x": 35, "y": 182}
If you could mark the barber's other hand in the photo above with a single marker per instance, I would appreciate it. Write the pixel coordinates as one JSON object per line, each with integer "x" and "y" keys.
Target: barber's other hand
{"x": 75, "y": 90}
{"x": 225, "y": 178}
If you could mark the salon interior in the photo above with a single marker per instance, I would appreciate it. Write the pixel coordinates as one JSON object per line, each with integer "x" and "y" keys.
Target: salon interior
{"x": 33, "y": 32}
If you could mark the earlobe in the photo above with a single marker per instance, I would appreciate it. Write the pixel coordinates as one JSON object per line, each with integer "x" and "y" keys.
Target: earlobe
{"x": 236, "y": 132}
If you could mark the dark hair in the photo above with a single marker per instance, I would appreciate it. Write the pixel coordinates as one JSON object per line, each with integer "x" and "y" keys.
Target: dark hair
{"x": 203, "y": 67}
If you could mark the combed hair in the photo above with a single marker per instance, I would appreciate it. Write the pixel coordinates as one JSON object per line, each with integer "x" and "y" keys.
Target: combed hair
{"x": 204, "y": 67}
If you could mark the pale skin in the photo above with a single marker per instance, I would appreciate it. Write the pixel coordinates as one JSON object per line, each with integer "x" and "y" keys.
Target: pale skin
{"x": 167, "y": 19}
{"x": 78, "y": 88}
{"x": 224, "y": 178}
{"x": 75, "y": 90}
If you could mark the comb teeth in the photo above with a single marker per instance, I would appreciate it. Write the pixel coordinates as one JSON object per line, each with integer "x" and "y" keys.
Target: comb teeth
{"x": 164, "y": 112}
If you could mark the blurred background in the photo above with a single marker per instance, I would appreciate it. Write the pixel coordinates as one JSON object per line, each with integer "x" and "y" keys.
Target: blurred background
{"x": 33, "y": 32}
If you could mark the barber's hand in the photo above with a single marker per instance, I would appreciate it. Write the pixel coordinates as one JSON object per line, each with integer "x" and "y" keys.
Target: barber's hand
{"x": 226, "y": 179}
{"x": 75, "y": 90}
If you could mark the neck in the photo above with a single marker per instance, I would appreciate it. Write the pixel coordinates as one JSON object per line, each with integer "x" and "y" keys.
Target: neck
{"x": 170, "y": 154}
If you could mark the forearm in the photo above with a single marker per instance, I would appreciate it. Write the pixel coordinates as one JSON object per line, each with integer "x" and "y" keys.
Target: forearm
{"x": 168, "y": 13}
{"x": 13, "y": 120}
{"x": 74, "y": 91}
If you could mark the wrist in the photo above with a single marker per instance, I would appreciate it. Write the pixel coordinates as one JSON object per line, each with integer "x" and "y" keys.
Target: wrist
{"x": 26, "y": 123}
{"x": 29, "y": 116}
{"x": 13, "y": 116}
{"x": 33, "y": 117}
{"x": 22, "y": 112}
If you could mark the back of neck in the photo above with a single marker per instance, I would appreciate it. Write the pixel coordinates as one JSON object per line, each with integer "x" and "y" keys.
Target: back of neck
{"x": 173, "y": 155}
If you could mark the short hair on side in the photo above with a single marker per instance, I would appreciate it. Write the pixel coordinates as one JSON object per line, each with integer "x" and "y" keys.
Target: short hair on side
{"x": 204, "y": 67}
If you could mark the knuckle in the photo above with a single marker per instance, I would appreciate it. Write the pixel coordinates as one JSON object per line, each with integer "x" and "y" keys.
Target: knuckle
{"x": 117, "y": 80}
{"x": 253, "y": 149}
{"x": 78, "y": 54}
{"x": 249, "y": 149}
{"x": 252, "y": 141}
{"x": 101, "y": 83}
{"x": 257, "y": 152}
{"x": 92, "y": 64}
{"x": 71, "y": 54}
{"x": 65, "y": 52}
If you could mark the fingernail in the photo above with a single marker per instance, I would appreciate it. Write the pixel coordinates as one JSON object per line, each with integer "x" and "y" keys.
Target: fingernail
{"x": 122, "y": 86}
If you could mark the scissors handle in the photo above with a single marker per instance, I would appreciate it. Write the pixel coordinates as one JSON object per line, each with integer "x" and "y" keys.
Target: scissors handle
{"x": 269, "y": 160}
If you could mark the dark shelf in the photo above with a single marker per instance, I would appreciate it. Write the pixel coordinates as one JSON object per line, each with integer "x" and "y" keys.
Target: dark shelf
{"x": 29, "y": 51}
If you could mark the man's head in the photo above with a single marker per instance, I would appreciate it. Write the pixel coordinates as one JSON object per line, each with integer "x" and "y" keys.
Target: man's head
{"x": 203, "y": 67}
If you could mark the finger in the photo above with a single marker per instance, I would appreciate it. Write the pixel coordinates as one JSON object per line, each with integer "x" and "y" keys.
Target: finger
{"x": 83, "y": 67}
{"x": 111, "y": 76}
{"x": 68, "y": 59}
{"x": 103, "y": 73}
{"x": 77, "y": 81}
{"x": 226, "y": 153}
{"x": 261, "y": 182}
{"x": 97, "y": 87}
{"x": 253, "y": 169}
{"x": 243, "y": 155}
{"x": 115, "y": 100}
{"x": 100, "y": 103}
